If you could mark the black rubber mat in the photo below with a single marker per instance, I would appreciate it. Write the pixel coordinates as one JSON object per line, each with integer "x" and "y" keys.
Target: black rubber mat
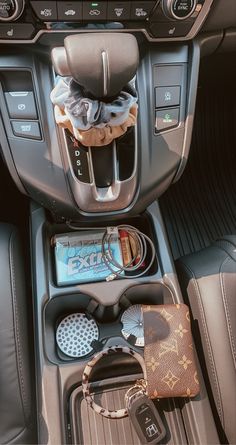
{"x": 201, "y": 206}
{"x": 90, "y": 428}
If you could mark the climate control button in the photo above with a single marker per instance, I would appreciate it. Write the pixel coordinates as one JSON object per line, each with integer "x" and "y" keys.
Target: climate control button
{"x": 7, "y": 9}
{"x": 69, "y": 11}
{"x": 10, "y": 10}
{"x": 141, "y": 10}
{"x": 45, "y": 10}
{"x": 94, "y": 11}
{"x": 179, "y": 9}
{"x": 118, "y": 11}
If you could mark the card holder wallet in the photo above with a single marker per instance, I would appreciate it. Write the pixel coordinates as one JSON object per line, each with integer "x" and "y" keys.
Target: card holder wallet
{"x": 169, "y": 351}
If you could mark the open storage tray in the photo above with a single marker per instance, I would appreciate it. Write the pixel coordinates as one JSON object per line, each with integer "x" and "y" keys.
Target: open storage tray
{"x": 89, "y": 428}
{"x": 143, "y": 223}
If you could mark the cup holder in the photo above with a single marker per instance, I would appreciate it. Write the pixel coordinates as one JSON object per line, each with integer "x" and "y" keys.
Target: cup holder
{"x": 76, "y": 326}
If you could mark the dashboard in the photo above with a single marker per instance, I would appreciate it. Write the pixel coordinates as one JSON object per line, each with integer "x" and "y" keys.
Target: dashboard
{"x": 27, "y": 21}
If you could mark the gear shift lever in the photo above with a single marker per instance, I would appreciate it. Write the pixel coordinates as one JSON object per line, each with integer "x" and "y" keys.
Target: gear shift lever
{"x": 102, "y": 63}
{"x": 95, "y": 101}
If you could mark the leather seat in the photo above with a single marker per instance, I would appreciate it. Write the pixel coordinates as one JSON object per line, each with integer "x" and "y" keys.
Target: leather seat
{"x": 16, "y": 420}
{"x": 208, "y": 281}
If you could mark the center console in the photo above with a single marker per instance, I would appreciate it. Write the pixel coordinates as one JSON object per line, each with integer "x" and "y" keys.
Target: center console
{"x": 95, "y": 187}
{"x": 65, "y": 416}
{"x": 43, "y": 163}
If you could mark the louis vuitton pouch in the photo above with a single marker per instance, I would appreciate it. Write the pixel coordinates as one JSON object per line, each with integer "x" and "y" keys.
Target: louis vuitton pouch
{"x": 168, "y": 352}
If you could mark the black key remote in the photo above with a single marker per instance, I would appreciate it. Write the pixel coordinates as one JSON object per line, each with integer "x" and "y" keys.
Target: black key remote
{"x": 145, "y": 418}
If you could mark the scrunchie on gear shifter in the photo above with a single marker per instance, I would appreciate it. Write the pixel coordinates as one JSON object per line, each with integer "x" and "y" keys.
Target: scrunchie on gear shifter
{"x": 93, "y": 122}
{"x": 95, "y": 96}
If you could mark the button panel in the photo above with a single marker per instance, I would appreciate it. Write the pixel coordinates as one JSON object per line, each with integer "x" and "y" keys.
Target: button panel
{"x": 169, "y": 87}
{"x": 166, "y": 118}
{"x": 149, "y": 15}
{"x": 21, "y": 105}
{"x": 92, "y": 10}
{"x": 26, "y": 129}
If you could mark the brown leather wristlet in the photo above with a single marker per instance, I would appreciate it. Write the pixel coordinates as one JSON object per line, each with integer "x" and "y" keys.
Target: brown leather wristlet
{"x": 168, "y": 352}
{"x": 169, "y": 368}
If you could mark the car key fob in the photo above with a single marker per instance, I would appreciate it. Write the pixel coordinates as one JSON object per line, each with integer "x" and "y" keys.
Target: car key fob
{"x": 145, "y": 418}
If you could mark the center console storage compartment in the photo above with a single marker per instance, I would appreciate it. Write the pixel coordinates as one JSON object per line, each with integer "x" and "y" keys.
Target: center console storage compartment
{"x": 142, "y": 223}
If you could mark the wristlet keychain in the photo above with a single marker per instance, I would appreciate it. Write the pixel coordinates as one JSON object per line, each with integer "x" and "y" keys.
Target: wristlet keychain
{"x": 168, "y": 365}
{"x": 141, "y": 410}
{"x": 117, "y": 414}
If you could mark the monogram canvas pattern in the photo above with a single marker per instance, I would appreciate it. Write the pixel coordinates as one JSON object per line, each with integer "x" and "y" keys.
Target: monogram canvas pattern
{"x": 168, "y": 352}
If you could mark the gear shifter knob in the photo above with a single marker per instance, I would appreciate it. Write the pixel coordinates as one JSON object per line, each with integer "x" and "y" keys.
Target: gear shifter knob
{"x": 102, "y": 63}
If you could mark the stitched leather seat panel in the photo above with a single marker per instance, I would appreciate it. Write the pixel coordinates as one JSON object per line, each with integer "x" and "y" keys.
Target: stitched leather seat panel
{"x": 208, "y": 282}
{"x": 15, "y": 379}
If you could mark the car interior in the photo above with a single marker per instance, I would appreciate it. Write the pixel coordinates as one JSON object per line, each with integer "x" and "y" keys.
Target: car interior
{"x": 118, "y": 222}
